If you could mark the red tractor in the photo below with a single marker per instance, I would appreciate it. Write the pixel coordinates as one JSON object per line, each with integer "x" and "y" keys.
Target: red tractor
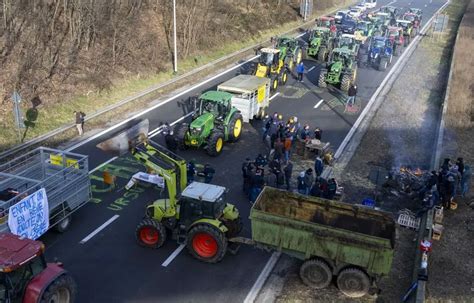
{"x": 415, "y": 21}
{"x": 26, "y": 277}
{"x": 395, "y": 34}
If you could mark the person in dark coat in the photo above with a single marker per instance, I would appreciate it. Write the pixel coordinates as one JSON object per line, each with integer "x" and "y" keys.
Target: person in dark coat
{"x": 301, "y": 184}
{"x": 316, "y": 190}
{"x": 308, "y": 179}
{"x": 318, "y": 166}
{"x": 79, "y": 119}
{"x": 171, "y": 142}
{"x": 270, "y": 179}
{"x": 332, "y": 188}
{"x": 280, "y": 179}
{"x": 261, "y": 160}
{"x": 351, "y": 93}
{"x": 190, "y": 171}
{"x": 288, "y": 170}
{"x": 318, "y": 133}
{"x": 279, "y": 149}
{"x": 208, "y": 173}
{"x": 460, "y": 164}
{"x": 274, "y": 165}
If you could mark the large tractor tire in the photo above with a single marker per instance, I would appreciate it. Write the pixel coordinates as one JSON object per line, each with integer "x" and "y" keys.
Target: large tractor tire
{"x": 235, "y": 127}
{"x": 61, "y": 290}
{"x": 181, "y": 132}
{"x": 383, "y": 64}
{"x": 298, "y": 56}
{"x": 215, "y": 143}
{"x": 316, "y": 273}
{"x": 322, "y": 79}
{"x": 206, "y": 243}
{"x": 283, "y": 77}
{"x": 322, "y": 54}
{"x": 150, "y": 233}
{"x": 346, "y": 82}
{"x": 353, "y": 282}
{"x": 273, "y": 83}
{"x": 234, "y": 227}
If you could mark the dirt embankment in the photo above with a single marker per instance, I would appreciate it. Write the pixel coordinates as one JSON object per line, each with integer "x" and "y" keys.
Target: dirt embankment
{"x": 451, "y": 269}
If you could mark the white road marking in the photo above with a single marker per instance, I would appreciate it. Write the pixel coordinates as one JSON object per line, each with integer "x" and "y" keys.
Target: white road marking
{"x": 319, "y": 103}
{"x": 274, "y": 96}
{"x": 311, "y": 68}
{"x": 102, "y": 165}
{"x": 98, "y": 229}
{"x": 252, "y": 295}
{"x": 173, "y": 255}
{"x": 157, "y": 105}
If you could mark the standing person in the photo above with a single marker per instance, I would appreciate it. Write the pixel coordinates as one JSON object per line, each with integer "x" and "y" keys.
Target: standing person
{"x": 460, "y": 164}
{"x": 288, "y": 172}
{"x": 351, "y": 93}
{"x": 305, "y": 134}
{"x": 315, "y": 189}
{"x": 170, "y": 141}
{"x": 287, "y": 148}
{"x": 465, "y": 180}
{"x": 246, "y": 176}
{"x": 279, "y": 149}
{"x": 300, "y": 71}
{"x": 270, "y": 179}
{"x": 280, "y": 179}
{"x": 318, "y": 133}
{"x": 79, "y": 118}
{"x": 190, "y": 171}
{"x": 318, "y": 166}
{"x": 308, "y": 179}
{"x": 332, "y": 188}
{"x": 301, "y": 184}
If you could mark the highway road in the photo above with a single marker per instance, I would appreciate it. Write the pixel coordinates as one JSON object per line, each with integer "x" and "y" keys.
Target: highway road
{"x": 100, "y": 249}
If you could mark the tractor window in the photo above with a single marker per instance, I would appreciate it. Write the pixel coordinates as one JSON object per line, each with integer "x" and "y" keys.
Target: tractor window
{"x": 267, "y": 58}
{"x": 379, "y": 43}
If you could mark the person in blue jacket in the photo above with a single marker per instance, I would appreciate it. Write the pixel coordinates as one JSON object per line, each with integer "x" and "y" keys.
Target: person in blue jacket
{"x": 300, "y": 71}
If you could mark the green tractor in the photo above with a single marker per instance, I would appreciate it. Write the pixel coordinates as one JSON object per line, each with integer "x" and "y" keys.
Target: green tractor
{"x": 195, "y": 215}
{"x": 214, "y": 122}
{"x": 320, "y": 43}
{"x": 292, "y": 49}
{"x": 341, "y": 69}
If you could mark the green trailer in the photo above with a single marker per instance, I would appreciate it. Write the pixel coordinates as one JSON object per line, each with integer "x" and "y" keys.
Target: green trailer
{"x": 353, "y": 243}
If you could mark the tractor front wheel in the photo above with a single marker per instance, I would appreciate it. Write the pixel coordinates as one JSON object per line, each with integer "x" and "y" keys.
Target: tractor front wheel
{"x": 235, "y": 127}
{"x": 322, "y": 79}
{"x": 353, "y": 282}
{"x": 206, "y": 243}
{"x": 150, "y": 233}
{"x": 283, "y": 78}
{"x": 346, "y": 82}
{"x": 215, "y": 143}
{"x": 298, "y": 56}
{"x": 62, "y": 290}
{"x": 383, "y": 64}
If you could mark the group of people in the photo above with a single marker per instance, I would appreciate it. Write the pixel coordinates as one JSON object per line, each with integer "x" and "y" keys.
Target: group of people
{"x": 261, "y": 172}
{"x": 280, "y": 136}
{"x": 450, "y": 181}
{"x": 316, "y": 187}
{"x": 205, "y": 172}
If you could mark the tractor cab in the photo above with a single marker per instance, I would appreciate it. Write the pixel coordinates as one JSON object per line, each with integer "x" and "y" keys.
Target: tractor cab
{"x": 319, "y": 33}
{"x": 418, "y": 12}
{"x": 214, "y": 102}
{"x": 24, "y": 273}
{"x": 325, "y": 21}
{"x": 201, "y": 200}
{"x": 395, "y": 34}
{"x": 269, "y": 57}
{"x": 342, "y": 55}
{"x": 347, "y": 41}
{"x": 406, "y": 26}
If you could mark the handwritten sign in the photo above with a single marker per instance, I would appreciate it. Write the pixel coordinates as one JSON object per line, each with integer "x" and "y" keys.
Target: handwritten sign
{"x": 30, "y": 217}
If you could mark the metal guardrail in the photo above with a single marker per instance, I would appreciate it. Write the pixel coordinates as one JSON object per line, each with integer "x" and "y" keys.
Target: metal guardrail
{"x": 19, "y": 148}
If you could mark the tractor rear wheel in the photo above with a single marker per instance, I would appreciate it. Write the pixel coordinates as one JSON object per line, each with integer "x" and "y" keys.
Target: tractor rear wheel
{"x": 346, "y": 82}
{"x": 322, "y": 79}
{"x": 235, "y": 127}
{"x": 61, "y": 290}
{"x": 181, "y": 136}
{"x": 316, "y": 273}
{"x": 298, "y": 56}
{"x": 206, "y": 243}
{"x": 322, "y": 54}
{"x": 150, "y": 233}
{"x": 383, "y": 64}
{"x": 215, "y": 143}
{"x": 234, "y": 227}
{"x": 274, "y": 83}
{"x": 283, "y": 78}
{"x": 353, "y": 282}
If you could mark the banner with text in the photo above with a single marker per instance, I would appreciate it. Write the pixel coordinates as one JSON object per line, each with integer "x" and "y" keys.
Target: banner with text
{"x": 30, "y": 217}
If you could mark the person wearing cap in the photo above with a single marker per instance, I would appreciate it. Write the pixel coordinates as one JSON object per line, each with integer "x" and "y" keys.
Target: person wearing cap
{"x": 351, "y": 93}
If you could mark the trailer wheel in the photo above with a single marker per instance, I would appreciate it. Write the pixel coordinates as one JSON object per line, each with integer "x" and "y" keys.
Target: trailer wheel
{"x": 315, "y": 273}
{"x": 206, "y": 243}
{"x": 63, "y": 221}
{"x": 62, "y": 290}
{"x": 353, "y": 282}
{"x": 150, "y": 233}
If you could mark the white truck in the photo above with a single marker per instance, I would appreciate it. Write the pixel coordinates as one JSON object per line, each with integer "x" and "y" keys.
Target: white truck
{"x": 251, "y": 95}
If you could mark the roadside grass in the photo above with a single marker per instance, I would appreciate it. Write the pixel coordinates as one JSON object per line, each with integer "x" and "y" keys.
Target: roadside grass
{"x": 460, "y": 112}
{"x": 57, "y": 115}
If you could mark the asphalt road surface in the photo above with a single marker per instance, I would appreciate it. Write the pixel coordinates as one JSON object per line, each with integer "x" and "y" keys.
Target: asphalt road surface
{"x": 109, "y": 266}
